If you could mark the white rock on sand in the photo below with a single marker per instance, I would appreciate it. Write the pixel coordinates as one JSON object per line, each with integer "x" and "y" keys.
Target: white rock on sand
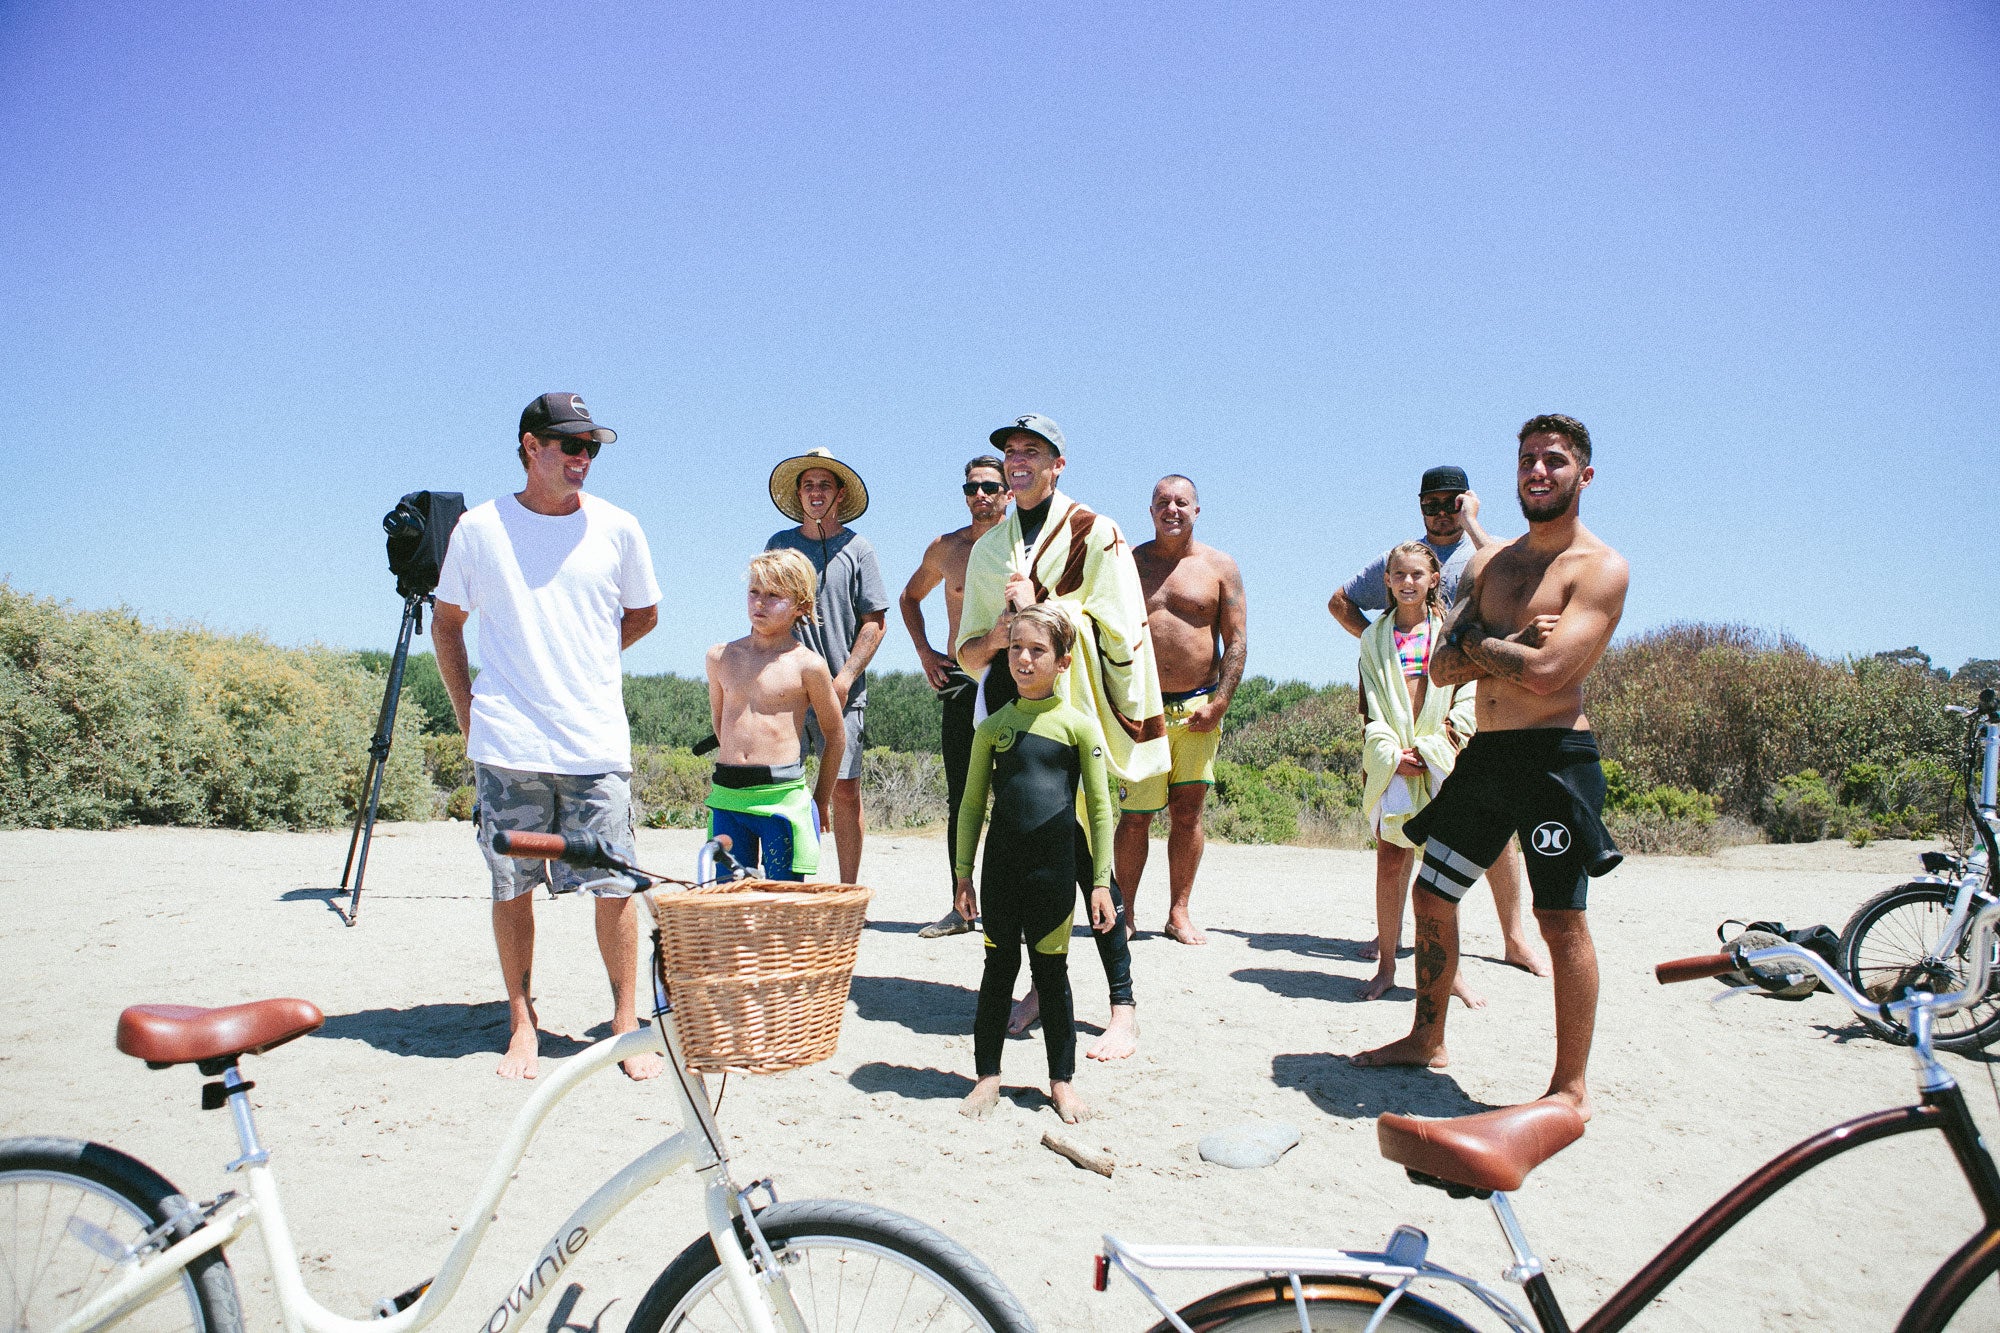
{"x": 382, "y": 1124}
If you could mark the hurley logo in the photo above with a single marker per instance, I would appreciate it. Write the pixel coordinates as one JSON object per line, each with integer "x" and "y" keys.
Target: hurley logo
{"x": 1550, "y": 839}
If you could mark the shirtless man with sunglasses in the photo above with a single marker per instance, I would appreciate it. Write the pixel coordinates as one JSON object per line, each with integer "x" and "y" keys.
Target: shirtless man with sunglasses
{"x": 986, "y": 498}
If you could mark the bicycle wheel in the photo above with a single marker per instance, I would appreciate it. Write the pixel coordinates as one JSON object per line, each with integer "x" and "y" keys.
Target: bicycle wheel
{"x": 1335, "y": 1305}
{"x": 1891, "y": 944}
{"x": 851, "y": 1268}
{"x": 71, "y": 1217}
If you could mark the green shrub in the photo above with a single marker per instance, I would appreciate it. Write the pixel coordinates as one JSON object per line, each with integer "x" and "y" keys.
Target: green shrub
{"x": 1247, "y": 807}
{"x": 459, "y": 804}
{"x": 445, "y": 763}
{"x": 667, "y": 710}
{"x": 904, "y": 713}
{"x": 423, "y": 687}
{"x": 1321, "y": 731}
{"x": 1802, "y": 808}
{"x": 669, "y": 787}
{"x": 105, "y": 721}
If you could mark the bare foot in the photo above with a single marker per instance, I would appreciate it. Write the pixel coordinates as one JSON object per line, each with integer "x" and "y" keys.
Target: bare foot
{"x": 523, "y": 1050}
{"x": 1579, "y": 1101}
{"x": 1379, "y": 985}
{"x": 1181, "y": 928}
{"x": 1464, "y": 993}
{"x": 1068, "y": 1105}
{"x": 1121, "y": 1035}
{"x": 1371, "y": 952}
{"x": 1408, "y": 1050}
{"x": 642, "y": 1067}
{"x": 1526, "y": 957}
{"x": 979, "y": 1103}
{"x": 1026, "y": 1010}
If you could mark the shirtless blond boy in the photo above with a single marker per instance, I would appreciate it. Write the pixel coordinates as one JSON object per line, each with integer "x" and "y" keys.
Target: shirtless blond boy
{"x": 1198, "y": 619}
{"x": 1532, "y": 618}
{"x": 986, "y": 498}
{"x": 760, "y": 689}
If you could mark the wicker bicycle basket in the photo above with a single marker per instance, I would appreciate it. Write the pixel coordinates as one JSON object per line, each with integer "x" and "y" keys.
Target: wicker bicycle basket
{"x": 758, "y": 970}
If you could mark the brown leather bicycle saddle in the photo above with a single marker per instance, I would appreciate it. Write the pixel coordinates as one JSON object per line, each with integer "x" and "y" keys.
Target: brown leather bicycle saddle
{"x": 178, "y": 1034}
{"x": 1494, "y": 1150}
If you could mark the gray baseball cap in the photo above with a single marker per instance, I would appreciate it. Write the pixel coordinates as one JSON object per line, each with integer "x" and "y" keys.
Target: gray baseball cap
{"x": 1034, "y": 424}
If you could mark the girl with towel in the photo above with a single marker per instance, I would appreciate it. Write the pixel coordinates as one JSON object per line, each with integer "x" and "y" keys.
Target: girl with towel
{"x": 1412, "y": 738}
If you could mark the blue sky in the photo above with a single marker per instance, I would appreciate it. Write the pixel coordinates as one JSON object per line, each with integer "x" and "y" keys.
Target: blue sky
{"x": 266, "y": 267}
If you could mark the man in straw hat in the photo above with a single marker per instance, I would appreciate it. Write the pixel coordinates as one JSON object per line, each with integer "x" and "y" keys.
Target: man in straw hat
{"x": 1053, "y": 551}
{"x": 823, "y": 495}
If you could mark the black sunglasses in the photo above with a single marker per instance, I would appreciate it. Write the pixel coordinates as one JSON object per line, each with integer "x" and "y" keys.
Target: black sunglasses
{"x": 1432, "y": 508}
{"x": 982, "y": 488}
{"x": 572, "y": 445}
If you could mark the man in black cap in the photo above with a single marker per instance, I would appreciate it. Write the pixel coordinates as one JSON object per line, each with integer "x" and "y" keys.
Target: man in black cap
{"x": 563, "y": 583}
{"x": 1451, "y": 529}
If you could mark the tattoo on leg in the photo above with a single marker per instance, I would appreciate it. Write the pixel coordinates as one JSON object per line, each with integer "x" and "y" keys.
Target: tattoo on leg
{"x": 1430, "y": 969}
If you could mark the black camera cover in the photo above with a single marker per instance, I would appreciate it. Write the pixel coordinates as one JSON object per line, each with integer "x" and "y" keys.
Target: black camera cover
{"x": 419, "y": 529}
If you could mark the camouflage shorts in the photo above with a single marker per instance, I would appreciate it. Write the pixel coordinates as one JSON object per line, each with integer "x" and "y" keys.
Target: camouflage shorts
{"x": 516, "y": 802}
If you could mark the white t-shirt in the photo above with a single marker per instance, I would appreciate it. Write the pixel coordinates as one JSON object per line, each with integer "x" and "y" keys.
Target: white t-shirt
{"x": 550, "y": 593}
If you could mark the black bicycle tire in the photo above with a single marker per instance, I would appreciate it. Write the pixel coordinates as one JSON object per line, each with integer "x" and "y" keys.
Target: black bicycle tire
{"x": 211, "y": 1284}
{"x": 1268, "y": 1301}
{"x": 1853, "y": 938}
{"x": 841, "y": 1219}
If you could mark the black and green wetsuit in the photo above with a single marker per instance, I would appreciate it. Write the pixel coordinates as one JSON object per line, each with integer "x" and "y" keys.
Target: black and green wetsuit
{"x": 1037, "y": 755}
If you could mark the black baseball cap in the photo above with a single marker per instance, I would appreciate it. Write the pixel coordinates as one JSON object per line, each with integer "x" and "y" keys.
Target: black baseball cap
{"x": 1444, "y": 479}
{"x": 563, "y": 414}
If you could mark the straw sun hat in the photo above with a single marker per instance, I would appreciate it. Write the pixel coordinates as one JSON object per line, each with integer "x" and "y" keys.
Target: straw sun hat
{"x": 785, "y": 485}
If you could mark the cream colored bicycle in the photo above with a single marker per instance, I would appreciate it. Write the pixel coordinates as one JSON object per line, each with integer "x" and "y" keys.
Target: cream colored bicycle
{"x": 91, "y": 1238}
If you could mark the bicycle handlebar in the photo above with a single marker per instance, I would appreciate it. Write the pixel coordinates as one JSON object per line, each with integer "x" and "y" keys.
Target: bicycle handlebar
{"x": 579, "y": 849}
{"x": 1694, "y": 969}
{"x": 1979, "y": 953}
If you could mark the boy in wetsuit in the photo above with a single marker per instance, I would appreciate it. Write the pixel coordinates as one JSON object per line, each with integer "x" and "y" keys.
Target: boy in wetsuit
{"x": 1037, "y": 753}
{"x": 760, "y": 688}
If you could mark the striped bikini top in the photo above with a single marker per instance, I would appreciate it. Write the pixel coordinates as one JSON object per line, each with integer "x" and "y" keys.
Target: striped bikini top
{"x": 1413, "y": 649}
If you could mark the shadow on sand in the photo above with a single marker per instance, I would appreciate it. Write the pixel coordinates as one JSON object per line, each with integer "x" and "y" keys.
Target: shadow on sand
{"x": 923, "y": 1085}
{"x": 1311, "y": 946}
{"x": 934, "y": 1008}
{"x": 1338, "y": 1088}
{"x": 1296, "y": 985}
{"x": 443, "y": 1031}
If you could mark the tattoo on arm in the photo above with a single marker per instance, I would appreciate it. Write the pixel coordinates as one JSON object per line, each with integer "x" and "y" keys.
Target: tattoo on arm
{"x": 1496, "y": 657}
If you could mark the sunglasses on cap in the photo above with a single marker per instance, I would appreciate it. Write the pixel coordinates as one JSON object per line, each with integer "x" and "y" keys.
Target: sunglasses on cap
{"x": 1433, "y": 508}
{"x": 573, "y": 445}
{"x": 982, "y": 488}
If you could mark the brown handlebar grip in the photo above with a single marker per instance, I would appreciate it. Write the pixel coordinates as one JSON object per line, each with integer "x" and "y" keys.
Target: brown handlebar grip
{"x": 530, "y": 846}
{"x": 1694, "y": 969}
{"x": 722, "y": 840}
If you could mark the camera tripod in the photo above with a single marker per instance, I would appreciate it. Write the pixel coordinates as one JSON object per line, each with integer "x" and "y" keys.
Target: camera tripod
{"x": 378, "y": 759}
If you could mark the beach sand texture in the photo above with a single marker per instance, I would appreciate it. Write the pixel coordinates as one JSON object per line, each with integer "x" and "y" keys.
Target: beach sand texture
{"x": 382, "y": 1124}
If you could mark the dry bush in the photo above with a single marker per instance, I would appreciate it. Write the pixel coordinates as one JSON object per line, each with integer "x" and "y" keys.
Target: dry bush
{"x": 1730, "y": 711}
{"x": 669, "y": 787}
{"x": 106, "y": 721}
{"x": 902, "y": 790}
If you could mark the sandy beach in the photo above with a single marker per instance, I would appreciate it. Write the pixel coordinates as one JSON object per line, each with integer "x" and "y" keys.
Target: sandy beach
{"x": 382, "y": 1123}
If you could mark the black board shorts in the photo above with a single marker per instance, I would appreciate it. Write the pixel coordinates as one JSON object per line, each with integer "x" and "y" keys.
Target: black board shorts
{"x": 1544, "y": 784}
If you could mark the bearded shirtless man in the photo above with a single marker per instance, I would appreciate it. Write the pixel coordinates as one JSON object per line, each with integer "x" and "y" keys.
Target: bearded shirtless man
{"x": 986, "y": 498}
{"x": 1531, "y": 620}
{"x": 1197, "y": 617}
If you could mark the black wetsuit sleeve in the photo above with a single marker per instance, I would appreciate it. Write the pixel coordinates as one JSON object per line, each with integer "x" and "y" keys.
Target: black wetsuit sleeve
{"x": 972, "y": 809}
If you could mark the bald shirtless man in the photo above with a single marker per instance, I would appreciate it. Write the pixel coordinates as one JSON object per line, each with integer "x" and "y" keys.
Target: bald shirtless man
{"x": 1532, "y": 618}
{"x": 986, "y": 498}
{"x": 1197, "y": 617}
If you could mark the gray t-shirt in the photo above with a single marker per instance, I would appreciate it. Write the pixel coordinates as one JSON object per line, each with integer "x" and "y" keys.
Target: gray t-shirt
{"x": 850, "y": 587}
{"x": 1368, "y": 592}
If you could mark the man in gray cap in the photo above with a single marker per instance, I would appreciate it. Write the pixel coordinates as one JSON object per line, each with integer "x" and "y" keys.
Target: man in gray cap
{"x": 1052, "y": 551}
{"x": 1450, "y": 512}
{"x": 562, "y": 583}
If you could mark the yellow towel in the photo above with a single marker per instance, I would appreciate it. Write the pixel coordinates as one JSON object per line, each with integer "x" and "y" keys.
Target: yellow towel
{"x": 1082, "y": 565}
{"x": 1387, "y": 797}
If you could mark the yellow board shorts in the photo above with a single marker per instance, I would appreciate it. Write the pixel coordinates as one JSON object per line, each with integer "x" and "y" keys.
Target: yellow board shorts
{"x": 1193, "y": 759}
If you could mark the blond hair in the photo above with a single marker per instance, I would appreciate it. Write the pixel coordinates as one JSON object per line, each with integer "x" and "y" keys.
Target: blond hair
{"x": 787, "y": 572}
{"x": 1059, "y": 627}
{"x": 1434, "y": 599}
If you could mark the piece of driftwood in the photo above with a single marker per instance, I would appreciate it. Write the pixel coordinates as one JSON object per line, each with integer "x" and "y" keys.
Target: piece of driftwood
{"x": 1103, "y": 1163}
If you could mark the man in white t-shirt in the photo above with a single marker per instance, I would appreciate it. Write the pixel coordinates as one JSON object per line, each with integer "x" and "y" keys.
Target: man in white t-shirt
{"x": 563, "y": 583}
